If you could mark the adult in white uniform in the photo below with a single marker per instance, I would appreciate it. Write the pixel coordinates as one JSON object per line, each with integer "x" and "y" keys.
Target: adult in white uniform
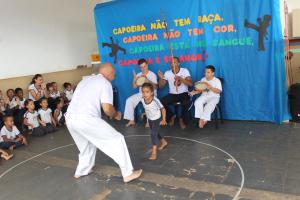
{"x": 134, "y": 100}
{"x": 90, "y": 131}
{"x": 206, "y": 103}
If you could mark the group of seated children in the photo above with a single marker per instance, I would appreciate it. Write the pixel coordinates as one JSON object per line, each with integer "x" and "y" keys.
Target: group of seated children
{"x": 18, "y": 114}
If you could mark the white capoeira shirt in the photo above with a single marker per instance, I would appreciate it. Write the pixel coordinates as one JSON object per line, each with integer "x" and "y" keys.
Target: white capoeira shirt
{"x": 13, "y": 103}
{"x": 45, "y": 115}
{"x": 90, "y": 93}
{"x": 9, "y": 134}
{"x": 215, "y": 83}
{"x": 153, "y": 108}
{"x": 32, "y": 118}
{"x": 170, "y": 77}
{"x": 151, "y": 77}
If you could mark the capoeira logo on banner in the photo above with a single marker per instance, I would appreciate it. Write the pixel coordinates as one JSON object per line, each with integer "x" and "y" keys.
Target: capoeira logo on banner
{"x": 261, "y": 29}
{"x": 114, "y": 48}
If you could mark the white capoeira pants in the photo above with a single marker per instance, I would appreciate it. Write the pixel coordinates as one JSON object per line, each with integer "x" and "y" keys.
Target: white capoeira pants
{"x": 90, "y": 133}
{"x": 204, "y": 106}
{"x": 131, "y": 103}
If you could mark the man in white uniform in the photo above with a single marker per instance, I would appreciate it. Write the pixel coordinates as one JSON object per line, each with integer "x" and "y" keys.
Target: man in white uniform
{"x": 133, "y": 100}
{"x": 90, "y": 131}
{"x": 206, "y": 103}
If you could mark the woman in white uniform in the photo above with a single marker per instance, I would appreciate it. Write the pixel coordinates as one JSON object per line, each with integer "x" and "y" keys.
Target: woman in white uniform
{"x": 90, "y": 131}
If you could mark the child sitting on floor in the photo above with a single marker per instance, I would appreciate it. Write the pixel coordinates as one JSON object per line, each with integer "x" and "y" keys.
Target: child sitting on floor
{"x": 11, "y": 100}
{"x": 68, "y": 92}
{"x": 19, "y": 110}
{"x": 58, "y": 115}
{"x": 156, "y": 115}
{"x": 10, "y": 135}
{"x": 46, "y": 118}
{"x": 19, "y": 98}
{"x": 31, "y": 119}
{"x": 55, "y": 93}
{"x": 2, "y": 105}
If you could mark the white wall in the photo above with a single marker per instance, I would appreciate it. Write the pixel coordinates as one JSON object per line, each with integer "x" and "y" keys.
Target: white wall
{"x": 38, "y": 36}
{"x": 293, "y": 4}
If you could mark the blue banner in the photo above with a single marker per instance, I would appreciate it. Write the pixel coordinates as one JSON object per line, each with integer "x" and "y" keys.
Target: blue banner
{"x": 241, "y": 38}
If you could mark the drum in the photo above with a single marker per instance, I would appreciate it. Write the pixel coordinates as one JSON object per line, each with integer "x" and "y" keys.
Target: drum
{"x": 200, "y": 86}
{"x": 140, "y": 81}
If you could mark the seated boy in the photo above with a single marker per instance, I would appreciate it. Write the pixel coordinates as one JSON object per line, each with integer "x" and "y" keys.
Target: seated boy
{"x": 210, "y": 97}
{"x": 10, "y": 135}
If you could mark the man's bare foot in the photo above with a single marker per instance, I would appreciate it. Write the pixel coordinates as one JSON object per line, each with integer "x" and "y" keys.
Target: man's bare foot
{"x": 201, "y": 123}
{"x": 135, "y": 174}
{"x": 163, "y": 144}
{"x": 130, "y": 123}
{"x": 11, "y": 147}
{"x": 153, "y": 155}
{"x": 171, "y": 122}
{"x": 204, "y": 123}
{"x": 182, "y": 124}
{"x": 79, "y": 176}
{"x": 147, "y": 125}
{"x": 118, "y": 116}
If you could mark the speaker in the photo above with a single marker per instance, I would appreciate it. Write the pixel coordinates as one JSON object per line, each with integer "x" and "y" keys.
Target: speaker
{"x": 294, "y": 101}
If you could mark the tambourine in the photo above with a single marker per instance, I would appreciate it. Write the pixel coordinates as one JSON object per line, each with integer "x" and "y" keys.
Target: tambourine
{"x": 140, "y": 81}
{"x": 200, "y": 86}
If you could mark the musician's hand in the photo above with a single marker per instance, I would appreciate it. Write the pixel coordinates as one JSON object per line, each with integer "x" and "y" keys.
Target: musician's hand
{"x": 118, "y": 116}
{"x": 209, "y": 87}
{"x": 192, "y": 93}
{"x": 160, "y": 74}
{"x": 179, "y": 78}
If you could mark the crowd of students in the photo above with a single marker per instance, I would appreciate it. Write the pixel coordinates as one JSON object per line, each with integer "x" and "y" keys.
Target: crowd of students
{"x": 39, "y": 114}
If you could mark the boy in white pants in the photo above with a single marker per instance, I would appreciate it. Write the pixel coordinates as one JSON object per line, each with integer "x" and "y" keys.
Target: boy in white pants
{"x": 90, "y": 131}
{"x": 134, "y": 100}
{"x": 210, "y": 97}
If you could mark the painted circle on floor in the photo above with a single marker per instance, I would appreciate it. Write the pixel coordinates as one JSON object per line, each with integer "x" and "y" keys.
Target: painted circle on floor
{"x": 130, "y": 136}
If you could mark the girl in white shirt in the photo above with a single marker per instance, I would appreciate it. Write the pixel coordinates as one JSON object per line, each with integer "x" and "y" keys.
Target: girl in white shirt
{"x": 156, "y": 115}
{"x": 68, "y": 92}
{"x": 55, "y": 93}
{"x": 58, "y": 115}
{"x": 45, "y": 115}
{"x": 37, "y": 90}
{"x": 31, "y": 119}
